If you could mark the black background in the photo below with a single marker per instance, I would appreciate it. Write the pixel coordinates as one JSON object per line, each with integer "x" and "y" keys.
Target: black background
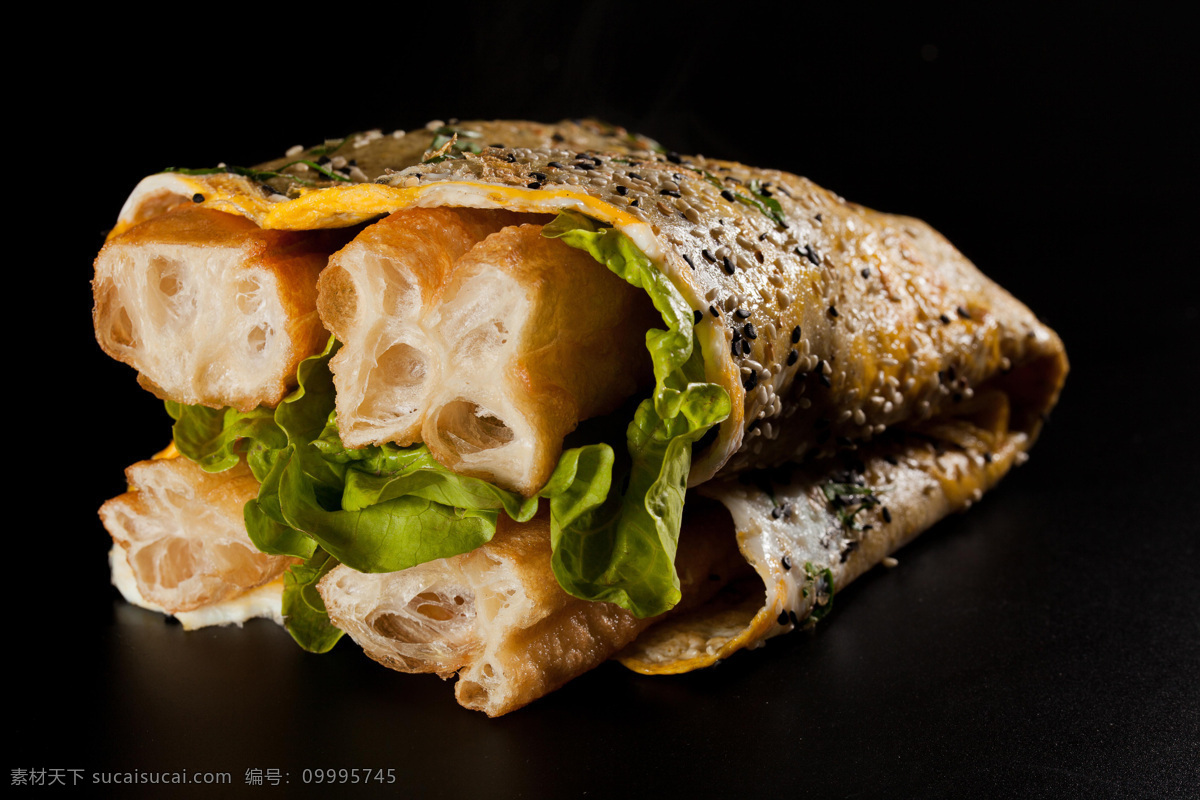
{"x": 1047, "y": 643}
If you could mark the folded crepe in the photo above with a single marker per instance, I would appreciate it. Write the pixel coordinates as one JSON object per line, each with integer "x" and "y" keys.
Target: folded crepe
{"x": 844, "y": 377}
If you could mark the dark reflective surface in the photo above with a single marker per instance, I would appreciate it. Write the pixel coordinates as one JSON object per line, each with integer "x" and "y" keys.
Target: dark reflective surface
{"x": 1044, "y": 644}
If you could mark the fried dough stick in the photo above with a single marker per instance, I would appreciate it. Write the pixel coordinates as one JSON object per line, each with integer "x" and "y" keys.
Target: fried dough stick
{"x": 498, "y": 618}
{"x": 183, "y": 536}
{"x": 209, "y": 308}
{"x": 489, "y": 348}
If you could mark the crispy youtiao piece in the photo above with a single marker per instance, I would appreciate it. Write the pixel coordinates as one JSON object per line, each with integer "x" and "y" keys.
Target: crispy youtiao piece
{"x": 371, "y": 296}
{"x": 209, "y": 308}
{"x": 498, "y": 618}
{"x": 184, "y": 536}
{"x": 490, "y": 350}
{"x": 535, "y": 337}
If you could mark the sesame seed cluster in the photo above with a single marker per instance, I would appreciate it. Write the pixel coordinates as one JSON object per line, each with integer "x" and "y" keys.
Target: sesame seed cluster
{"x": 838, "y": 322}
{"x": 841, "y": 321}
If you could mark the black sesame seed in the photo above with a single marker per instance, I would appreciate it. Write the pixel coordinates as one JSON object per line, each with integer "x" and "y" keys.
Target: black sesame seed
{"x": 670, "y": 192}
{"x": 776, "y": 513}
{"x": 824, "y": 379}
{"x": 741, "y": 313}
{"x": 674, "y": 157}
{"x": 792, "y": 357}
{"x": 887, "y": 515}
{"x": 792, "y": 616}
{"x": 708, "y": 256}
{"x": 713, "y": 310}
{"x": 749, "y": 332}
{"x": 728, "y": 265}
{"x": 558, "y": 137}
{"x": 697, "y": 316}
{"x": 795, "y": 334}
{"x": 635, "y": 204}
{"x": 783, "y": 618}
{"x": 962, "y": 312}
{"x": 751, "y": 380}
{"x": 866, "y": 273}
{"x": 736, "y": 349}
{"x": 812, "y": 255}
{"x": 728, "y": 195}
{"x": 197, "y": 198}
{"x": 945, "y": 320}
{"x": 635, "y": 176}
{"x": 891, "y": 460}
{"x": 510, "y": 158}
{"x": 745, "y": 347}
{"x": 786, "y": 562}
{"x": 833, "y": 311}
{"x": 534, "y": 185}
{"x": 987, "y": 457}
{"x": 621, "y": 190}
{"x": 537, "y": 175}
{"x": 817, "y": 217}
{"x": 555, "y": 165}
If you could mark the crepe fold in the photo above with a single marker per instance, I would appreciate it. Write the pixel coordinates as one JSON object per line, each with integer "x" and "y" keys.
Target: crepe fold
{"x": 878, "y": 381}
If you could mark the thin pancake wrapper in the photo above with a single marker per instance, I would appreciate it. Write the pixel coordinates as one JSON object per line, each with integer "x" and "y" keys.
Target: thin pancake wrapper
{"x": 834, "y": 329}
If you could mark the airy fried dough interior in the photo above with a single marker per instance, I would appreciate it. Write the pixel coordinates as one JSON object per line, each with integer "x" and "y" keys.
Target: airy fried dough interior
{"x": 497, "y": 616}
{"x": 209, "y": 308}
{"x": 473, "y": 333}
{"x": 184, "y": 534}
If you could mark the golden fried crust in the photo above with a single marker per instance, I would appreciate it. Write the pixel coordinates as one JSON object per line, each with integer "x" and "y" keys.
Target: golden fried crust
{"x": 498, "y": 618}
{"x": 370, "y": 297}
{"x": 184, "y": 536}
{"x": 209, "y": 308}
{"x": 560, "y": 341}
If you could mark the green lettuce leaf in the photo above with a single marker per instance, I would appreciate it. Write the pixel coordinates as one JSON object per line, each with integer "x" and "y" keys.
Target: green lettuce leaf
{"x": 387, "y": 508}
{"x": 621, "y": 549}
{"x": 304, "y": 613}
